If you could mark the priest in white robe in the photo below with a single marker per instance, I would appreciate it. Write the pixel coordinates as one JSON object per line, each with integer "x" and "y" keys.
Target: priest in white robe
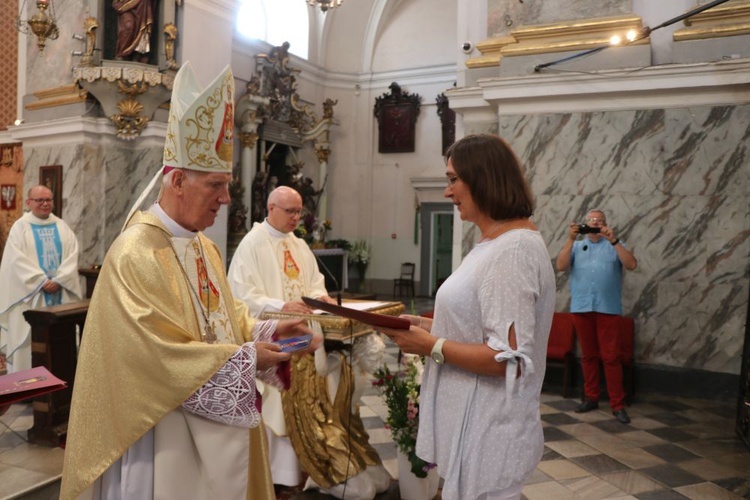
{"x": 271, "y": 270}
{"x": 39, "y": 268}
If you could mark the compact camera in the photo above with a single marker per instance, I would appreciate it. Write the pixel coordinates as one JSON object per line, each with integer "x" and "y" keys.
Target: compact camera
{"x": 584, "y": 229}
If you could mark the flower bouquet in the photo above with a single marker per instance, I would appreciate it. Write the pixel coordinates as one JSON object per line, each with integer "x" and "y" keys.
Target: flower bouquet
{"x": 401, "y": 393}
{"x": 361, "y": 252}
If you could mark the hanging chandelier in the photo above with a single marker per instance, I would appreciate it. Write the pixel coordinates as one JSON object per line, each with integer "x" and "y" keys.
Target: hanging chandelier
{"x": 41, "y": 24}
{"x": 325, "y": 5}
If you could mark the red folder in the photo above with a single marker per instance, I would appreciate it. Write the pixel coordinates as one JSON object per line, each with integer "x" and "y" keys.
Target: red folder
{"x": 27, "y": 384}
{"x": 361, "y": 316}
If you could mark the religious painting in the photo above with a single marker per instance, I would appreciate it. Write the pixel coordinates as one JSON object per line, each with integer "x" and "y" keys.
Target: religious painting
{"x": 8, "y": 196}
{"x": 397, "y": 119}
{"x": 51, "y": 177}
{"x": 6, "y": 155}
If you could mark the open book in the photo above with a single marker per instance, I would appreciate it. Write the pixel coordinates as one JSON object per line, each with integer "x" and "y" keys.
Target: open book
{"x": 27, "y": 384}
{"x": 361, "y": 316}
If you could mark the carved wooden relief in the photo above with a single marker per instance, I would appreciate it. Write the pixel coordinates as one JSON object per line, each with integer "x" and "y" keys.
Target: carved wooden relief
{"x": 447, "y": 121}
{"x": 397, "y": 119}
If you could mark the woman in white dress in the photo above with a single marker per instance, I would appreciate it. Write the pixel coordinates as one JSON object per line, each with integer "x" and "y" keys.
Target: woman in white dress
{"x": 479, "y": 403}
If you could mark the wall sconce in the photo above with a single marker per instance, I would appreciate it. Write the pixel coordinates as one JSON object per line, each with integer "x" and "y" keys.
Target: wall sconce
{"x": 325, "y": 5}
{"x": 41, "y": 24}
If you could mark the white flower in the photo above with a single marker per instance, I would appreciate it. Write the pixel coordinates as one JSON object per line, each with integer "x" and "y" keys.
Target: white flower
{"x": 361, "y": 252}
{"x": 416, "y": 360}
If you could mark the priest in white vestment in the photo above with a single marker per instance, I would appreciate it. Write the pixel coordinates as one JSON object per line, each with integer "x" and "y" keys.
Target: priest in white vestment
{"x": 165, "y": 403}
{"x": 271, "y": 270}
{"x": 39, "y": 268}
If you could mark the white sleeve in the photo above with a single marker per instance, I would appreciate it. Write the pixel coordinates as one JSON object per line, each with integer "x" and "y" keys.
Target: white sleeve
{"x": 230, "y": 396}
{"x": 508, "y": 296}
{"x": 246, "y": 279}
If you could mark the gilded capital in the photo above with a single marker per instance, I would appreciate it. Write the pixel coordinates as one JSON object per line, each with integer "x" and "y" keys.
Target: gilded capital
{"x": 248, "y": 139}
{"x": 322, "y": 152}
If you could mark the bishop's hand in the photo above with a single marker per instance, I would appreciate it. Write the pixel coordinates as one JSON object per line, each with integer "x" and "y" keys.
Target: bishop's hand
{"x": 269, "y": 355}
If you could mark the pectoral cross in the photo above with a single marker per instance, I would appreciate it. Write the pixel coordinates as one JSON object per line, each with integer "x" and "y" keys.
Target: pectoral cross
{"x": 210, "y": 336}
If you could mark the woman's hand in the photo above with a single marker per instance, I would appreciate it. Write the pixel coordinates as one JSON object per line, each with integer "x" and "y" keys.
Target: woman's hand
{"x": 415, "y": 340}
{"x": 420, "y": 321}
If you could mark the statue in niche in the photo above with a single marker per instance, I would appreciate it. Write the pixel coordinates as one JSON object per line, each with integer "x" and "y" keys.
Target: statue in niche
{"x": 310, "y": 195}
{"x": 294, "y": 175}
{"x": 304, "y": 186}
{"x": 328, "y": 105}
{"x": 237, "y": 210}
{"x": 134, "y": 21}
{"x": 273, "y": 183}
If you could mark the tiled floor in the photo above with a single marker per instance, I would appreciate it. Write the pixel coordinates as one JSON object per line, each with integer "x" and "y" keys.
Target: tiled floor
{"x": 673, "y": 449}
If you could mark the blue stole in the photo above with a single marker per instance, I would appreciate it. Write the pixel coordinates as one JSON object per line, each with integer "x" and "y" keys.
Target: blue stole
{"x": 49, "y": 255}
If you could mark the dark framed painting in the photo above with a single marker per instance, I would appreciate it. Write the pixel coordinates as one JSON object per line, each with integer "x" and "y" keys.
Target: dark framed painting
{"x": 397, "y": 120}
{"x": 51, "y": 177}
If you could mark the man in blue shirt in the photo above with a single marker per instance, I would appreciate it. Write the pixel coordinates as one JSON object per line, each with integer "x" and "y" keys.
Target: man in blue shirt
{"x": 595, "y": 264}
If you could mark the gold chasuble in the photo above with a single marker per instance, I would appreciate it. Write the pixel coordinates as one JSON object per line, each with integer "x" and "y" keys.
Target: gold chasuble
{"x": 142, "y": 355}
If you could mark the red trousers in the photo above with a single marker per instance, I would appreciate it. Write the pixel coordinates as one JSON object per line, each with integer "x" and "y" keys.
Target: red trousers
{"x": 599, "y": 337}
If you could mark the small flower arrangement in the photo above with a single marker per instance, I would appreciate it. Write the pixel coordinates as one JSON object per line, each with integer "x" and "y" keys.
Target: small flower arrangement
{"x": 401, "y": 393}
{"x": 361, "y": 252}
{"x": 313, "y": 230}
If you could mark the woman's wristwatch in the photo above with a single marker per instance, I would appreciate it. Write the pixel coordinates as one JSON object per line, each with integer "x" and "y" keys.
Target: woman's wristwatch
{"x": 437, "y": 352}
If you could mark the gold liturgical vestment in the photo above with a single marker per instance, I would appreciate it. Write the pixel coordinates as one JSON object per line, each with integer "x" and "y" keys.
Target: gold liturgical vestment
{"x": 142, "y": 356}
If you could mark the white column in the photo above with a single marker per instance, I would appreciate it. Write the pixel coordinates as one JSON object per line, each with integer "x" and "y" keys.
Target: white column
{"x": 322, "y": 150}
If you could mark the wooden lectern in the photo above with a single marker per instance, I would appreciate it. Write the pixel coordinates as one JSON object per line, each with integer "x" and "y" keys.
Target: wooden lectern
{"x": 54, "y": 345}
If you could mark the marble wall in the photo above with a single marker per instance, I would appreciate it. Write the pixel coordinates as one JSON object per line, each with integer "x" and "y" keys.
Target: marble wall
{"x": 674, "y": 184}
{"x": 100, "y": 183}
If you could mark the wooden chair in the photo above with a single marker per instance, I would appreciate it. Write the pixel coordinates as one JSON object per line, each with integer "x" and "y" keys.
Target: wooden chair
{"x": 405, "y": 280}
{"x": 560, "y": 349}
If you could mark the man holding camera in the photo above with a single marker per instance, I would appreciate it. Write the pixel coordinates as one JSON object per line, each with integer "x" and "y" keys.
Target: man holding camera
{"x": 596, "y": 264}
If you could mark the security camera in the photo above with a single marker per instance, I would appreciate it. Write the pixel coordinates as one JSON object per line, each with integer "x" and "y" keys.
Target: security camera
{"x": 466, "y": 47}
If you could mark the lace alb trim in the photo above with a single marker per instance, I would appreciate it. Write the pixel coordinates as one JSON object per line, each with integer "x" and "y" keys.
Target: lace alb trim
{"x": 230, "y": 396}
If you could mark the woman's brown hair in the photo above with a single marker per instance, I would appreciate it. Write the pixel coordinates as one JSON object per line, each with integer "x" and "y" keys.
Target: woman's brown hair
{"x": 487, "y": 165}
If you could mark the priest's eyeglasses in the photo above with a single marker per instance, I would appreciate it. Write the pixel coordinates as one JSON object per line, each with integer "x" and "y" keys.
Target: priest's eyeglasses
{"x": 42, "y": 200}
{"x": 292, "y": 212}
{"x": 450, "y": 180}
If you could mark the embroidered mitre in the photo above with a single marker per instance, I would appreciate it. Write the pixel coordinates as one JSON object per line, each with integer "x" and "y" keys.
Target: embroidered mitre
{"x": 201, "y": 121}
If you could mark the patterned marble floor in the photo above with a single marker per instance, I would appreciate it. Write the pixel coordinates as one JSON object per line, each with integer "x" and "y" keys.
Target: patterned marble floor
{"x": 673, "y": 449}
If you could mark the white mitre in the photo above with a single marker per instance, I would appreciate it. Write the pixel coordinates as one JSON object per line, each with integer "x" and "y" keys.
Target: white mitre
{"x": 200, "y": 131}
{"x": 201, "y": 121}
